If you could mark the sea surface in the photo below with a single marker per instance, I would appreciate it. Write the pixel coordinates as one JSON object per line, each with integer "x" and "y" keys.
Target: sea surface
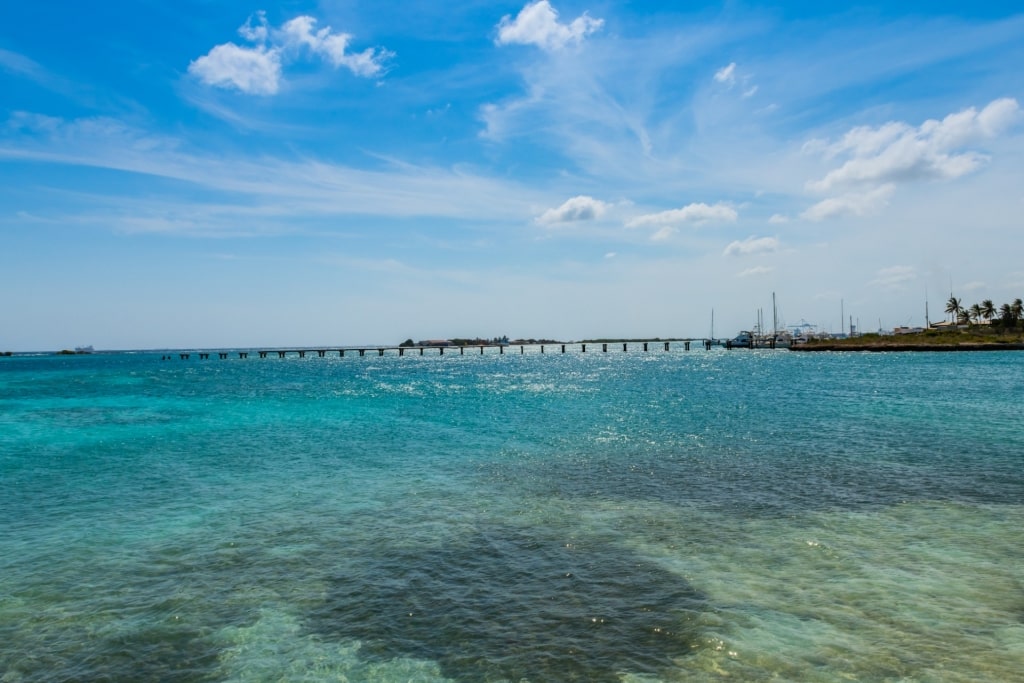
{"x": 662, "y": 516}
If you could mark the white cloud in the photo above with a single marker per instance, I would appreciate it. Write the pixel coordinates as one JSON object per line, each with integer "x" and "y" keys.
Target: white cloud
{"x": 778, "y": 219}
{"x": 664, "y": 233}
{"x": 255, "y": 33}
{"x": 610, "y": 255}
{"x": 894, "y": 277}
{"x": 752, "y": 272}
{"x": 727, "y": 74}
{"x": 301, "y": 32}
{"x": 752, "y": 245}
{"x": 691, "y": 213}
{"x": 852, "y": 203}
{"x": 537, "y": 24}
{"x": 580, "y": 208}
{"x": 257, "y": 70}
{"x": 897, "y": 151}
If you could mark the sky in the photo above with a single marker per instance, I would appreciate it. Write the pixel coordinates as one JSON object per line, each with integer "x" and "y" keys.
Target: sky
{"x": 208, "y": 174}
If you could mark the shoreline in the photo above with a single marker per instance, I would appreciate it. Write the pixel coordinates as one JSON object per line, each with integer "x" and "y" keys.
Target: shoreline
{"x": 910, "y": 347}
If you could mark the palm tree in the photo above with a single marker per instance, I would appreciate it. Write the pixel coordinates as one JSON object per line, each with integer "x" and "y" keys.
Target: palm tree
{"x": 953, "y": 307}
{"x": 975, "y": 312}
{"x": 1017, "y": 308}
{"x": 1006, "y": 316}
{"x": 988, "y": 310}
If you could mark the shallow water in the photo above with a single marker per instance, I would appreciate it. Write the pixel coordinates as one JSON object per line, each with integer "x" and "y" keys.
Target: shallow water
{"x": 591, "y": 517}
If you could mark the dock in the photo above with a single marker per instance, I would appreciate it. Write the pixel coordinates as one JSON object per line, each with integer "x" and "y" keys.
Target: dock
{"x": 440, "y": 349}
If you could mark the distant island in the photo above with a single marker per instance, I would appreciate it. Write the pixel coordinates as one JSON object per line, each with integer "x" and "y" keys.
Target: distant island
{"x": 980, "y": 327}
{"x": 926, "y": 340}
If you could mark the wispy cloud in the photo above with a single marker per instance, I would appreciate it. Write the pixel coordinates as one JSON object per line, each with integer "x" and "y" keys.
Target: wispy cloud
{"x": 302, "y": 187}
{"x": 852, "y": 203}
{"x": 257, "y": 69}
{"x": 752, "y": 245}
{"x": 727, "y": 74}
{"x": 755, "y": 271}
{"x": 537, "y": 24}
{"x": 894, "y": 277}
{"x": 580, "y": 208}
{"x": 696, "y": 213}
{"x": 730, "y": 76}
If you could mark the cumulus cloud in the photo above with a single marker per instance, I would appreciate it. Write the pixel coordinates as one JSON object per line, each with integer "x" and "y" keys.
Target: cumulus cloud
{"x": 691, "y": 213}
{"x": 778, "y": 219}
{"x": 580, "y": 208}
{"x": 257, "y": 69}
{"x": 897, "y": 151}
{"x": 752, "y": 245}
{"x": 853, "y": 203}
{"x": 537, "y": 24}
{"x": 301, "y": 32}
{"x": 894, "y": 277}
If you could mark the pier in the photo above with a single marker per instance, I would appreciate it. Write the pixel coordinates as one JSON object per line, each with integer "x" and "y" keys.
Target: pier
{"x": 439, "y": 349}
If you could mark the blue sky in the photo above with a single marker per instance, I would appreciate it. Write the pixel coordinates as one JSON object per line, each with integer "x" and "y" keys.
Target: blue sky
{"x": 207, "y": 174}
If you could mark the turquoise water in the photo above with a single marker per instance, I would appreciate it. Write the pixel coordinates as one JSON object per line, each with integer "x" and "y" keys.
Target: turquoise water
{"x": 681, "y": 516}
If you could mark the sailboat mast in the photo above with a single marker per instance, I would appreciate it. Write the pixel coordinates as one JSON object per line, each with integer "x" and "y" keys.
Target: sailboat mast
{"x": 775, "y": 318}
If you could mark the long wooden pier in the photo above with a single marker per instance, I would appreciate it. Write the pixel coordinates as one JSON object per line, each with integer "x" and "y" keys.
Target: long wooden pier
{"x": 439, "y": 350}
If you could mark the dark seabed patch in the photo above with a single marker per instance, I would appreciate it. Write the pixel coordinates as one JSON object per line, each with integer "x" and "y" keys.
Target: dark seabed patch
{"x": 509, "y": 604}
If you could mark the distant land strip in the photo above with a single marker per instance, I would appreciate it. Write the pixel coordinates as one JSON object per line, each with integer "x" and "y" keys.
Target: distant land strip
{"x": 908, "y": 347}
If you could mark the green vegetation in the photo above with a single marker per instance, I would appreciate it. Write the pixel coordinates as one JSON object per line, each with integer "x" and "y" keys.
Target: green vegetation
{"x": 967, "y": 337}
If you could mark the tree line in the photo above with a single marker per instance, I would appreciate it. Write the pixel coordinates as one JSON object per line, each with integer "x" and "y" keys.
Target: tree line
{"x": 1008, "y": 315}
